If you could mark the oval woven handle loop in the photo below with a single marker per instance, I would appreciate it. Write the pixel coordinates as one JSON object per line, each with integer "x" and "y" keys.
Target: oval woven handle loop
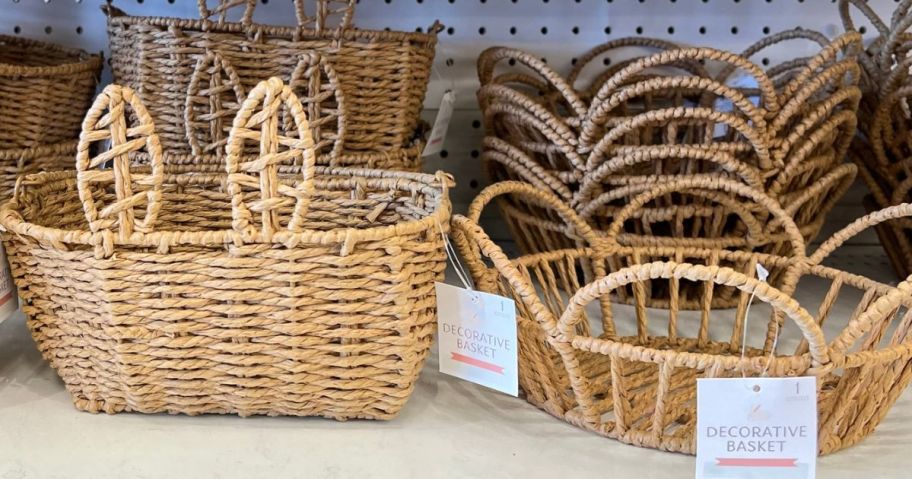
{"x": 867, "y": 11}
{"x": 124, "y": 139}
{"x": 258, "y": 121}
{"x": 315, "y": 83}
{"x": 224, "y": 6}
{"x": 840, "y": 237}
{"x": 628, "y": 157}
{"x": 214, "y": 95}
{"x": 488, "y": 60}
{"x": 344, "y": 10}
{"x": 723, "y": 276}
{"x": 716, "y": 184}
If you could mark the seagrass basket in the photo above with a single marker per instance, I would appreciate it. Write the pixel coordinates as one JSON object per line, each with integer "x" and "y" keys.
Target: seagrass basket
{"x": 629, "y": 372}
{"x": 194, "y": 73}
{"x": 45, "y": 90}
{"x": 883, "y": 147}
{"x": 243, "y": 292}
{"x": 662, "y": 116}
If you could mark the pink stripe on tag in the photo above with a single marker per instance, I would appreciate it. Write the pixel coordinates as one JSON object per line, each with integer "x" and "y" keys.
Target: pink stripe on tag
{"x": 747, "y": 462}
{"x": 477, "y": 363}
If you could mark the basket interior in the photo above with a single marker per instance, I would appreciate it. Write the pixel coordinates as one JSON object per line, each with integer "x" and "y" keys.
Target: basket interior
{"x": 29, "y": 53}
{"x": 200, "y": 202}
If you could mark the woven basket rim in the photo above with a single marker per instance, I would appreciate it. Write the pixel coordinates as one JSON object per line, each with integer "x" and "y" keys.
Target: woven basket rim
{"x": 12, "y": 220}
{"x": 117, "y": 16}
{"x": 81, "y": 59}
{"x": 68, "y": 147}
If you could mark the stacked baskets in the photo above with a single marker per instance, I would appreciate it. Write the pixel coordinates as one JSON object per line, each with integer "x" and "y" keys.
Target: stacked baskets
{"x": 363, "y": 90}
{"x": 44, "y": 91}
{"x": 246, "y": 292}
{"x": 657, "y": 117}
{"x": 636, "y": 381}
{"x": 882, "y": 149}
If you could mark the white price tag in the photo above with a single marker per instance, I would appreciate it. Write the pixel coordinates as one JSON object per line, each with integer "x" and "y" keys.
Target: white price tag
{"x": 9, "y": 300}
{"x": 476, "y": 338}
{"x": 441, "y": 124}
{"x": 763, "y": 428}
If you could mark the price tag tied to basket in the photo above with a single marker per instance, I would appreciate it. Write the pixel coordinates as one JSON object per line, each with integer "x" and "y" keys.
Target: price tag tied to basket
{"x": 476, "y": 333}
{"x": 759, "y": 427}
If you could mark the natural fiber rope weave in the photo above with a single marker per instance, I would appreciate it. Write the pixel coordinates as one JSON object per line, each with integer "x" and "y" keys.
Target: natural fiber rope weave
{"x": 883, "y": 148}
{"x": 637, "y": 126}
{"x": 582, "y": 360}
{"x": 363, "y": 89}
{"x": 44, "y": 92}
{"x": 243, "y": 292}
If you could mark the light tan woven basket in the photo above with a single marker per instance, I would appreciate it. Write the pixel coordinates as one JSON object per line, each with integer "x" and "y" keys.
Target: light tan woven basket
{"x": 244, "y": 292}
{"x": 645, "y": 125}
{"x": 629, "y": 372}
{"x": 44, "y": 91}
{"x": 883, "y": 149}
{"x": 193, "y": 74}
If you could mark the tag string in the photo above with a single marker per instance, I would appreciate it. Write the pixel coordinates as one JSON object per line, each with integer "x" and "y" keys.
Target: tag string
{"x": 744, "y": 336}
{"x": 454, "y": 259}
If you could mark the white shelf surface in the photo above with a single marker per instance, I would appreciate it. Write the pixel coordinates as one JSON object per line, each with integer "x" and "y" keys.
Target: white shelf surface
{"x": 450, "y": 428}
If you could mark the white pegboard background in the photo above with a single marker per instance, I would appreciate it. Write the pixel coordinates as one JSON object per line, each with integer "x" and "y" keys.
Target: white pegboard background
{"x": 556, "y": 30}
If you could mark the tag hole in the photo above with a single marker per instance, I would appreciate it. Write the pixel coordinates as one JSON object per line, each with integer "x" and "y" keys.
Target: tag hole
{"x": 756, "y": 388}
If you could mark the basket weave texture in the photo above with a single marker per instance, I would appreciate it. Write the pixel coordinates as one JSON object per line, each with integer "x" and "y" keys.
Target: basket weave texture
{"x": 883, "y": 148}
{"x": 365, "y": 89}
{"x": 245, "y": 292}
{"x": 783, "y": 131}
{"x": 630, "y": 373}
{"x": 45, "y": 90}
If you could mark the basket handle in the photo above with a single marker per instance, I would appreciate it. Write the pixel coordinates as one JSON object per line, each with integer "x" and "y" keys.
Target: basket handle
{"x": 512, "y": 158}
{"x": 487, "y": 62}
{"x": 258, "y": 121}
{"x": 699, "y": 273}
{"x": 857, "y": 226}
{"x": 324, "y": 9}
{"x": 105, "y": 121}
{"x": 877, "y": 311}
{"x": 546, "y": 199}
{"x": 655, "y": 44}
{"x": 717, "y": 184}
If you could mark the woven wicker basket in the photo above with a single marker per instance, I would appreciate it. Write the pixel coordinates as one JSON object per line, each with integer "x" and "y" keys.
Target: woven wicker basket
{"x": 584, "y": 361}
{"x": 883, "y": 150}
{"x": 643, "y": 126}
{"x": 45, "y": 90}
{"x": 193, "y": 74}
{"x": 243, "y": 293}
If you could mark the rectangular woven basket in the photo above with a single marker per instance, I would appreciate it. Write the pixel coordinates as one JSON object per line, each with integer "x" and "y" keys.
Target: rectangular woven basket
{"x": 244, "y": 292}
{"x": 193, "y": 74}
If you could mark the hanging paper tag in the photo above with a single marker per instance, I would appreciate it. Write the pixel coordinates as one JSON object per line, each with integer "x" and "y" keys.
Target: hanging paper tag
{"x": 762, "y": 273}
{"x": 476, "y": 338}
{"x": 764, "y": 428}
{"x": 9, "y": 300}
{"x": 441, "y": 124}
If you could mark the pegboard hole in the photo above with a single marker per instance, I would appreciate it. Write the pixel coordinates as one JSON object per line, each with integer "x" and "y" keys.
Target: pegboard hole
{"x": 449, "y": 62}
{"x": 671, "y": 30}
{"x": 444, "y": 153}
{"x": 765, "y": 61}
{"x": 639, "y": 30}
{"x": 766, "y": 30}
{"x": 481, "y": 30}
{"x": 451, "y": 30}
{"x": 512, "y": 30}
{"x": 575, "y": 30}
{"x": 862, "y": 29}
{"x": 544, "y": 30}
{"x": 702, "y": 30}
{"x": 48, "y": 29}
{"x": 476, "y": 124}
{"x": 512, "y": 62}
{"x": 475, "y": 154}
{"x": 79, "y": 30}
{"x": 473, "y": 184}
{"x": 734, "y": 30}
{"x": 17, "y": 29}
{"x": 606, "y": 61}
{"x": 607, "y": 30}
